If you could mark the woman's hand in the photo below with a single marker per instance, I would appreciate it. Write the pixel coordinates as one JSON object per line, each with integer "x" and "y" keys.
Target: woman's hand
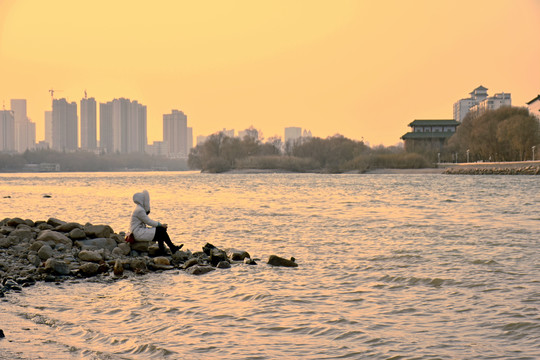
{"x": 164, "y": 225}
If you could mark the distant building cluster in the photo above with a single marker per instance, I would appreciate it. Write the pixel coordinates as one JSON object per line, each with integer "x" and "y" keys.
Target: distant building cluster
{"x": 479, "y": 101}
{"x": 122, "y": 128}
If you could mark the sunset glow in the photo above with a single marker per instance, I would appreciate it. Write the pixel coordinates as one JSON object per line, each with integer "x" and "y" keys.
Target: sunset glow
{"x": 363, "y": 69}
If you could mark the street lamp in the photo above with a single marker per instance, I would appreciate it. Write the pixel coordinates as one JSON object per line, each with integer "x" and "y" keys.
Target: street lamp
{"x": 534, "y": 147}
{"x": 467, "y": 155}
{"x": 438, "y": 158}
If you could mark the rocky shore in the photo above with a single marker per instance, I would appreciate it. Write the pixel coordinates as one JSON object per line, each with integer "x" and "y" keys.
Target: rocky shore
{"x": 493, "y": 170}
{"x": 55, "y": 251}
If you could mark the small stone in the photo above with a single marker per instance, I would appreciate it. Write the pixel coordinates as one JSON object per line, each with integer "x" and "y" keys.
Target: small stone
{"x": 125, "y": 248}
{"x": 138, "y": 266}
{"x": 161, "y": 260}
{"x": 249, "y": 261}
{"x": 57, "y": 266}
{"x": 89, "y": 269}
{"x": 191, "y": 262}
{"x": 118, "y": 268}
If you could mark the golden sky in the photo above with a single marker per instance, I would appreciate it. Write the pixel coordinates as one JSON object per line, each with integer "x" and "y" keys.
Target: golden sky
{"x": 363, "y": 69}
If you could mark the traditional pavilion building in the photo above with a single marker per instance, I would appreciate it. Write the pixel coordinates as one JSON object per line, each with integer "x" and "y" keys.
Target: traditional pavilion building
{"x": 426, "y": 135}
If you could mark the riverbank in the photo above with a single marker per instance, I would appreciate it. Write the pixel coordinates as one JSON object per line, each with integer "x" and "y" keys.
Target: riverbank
{"x": 494, "y": 168}
{"x": 55, "y": 251}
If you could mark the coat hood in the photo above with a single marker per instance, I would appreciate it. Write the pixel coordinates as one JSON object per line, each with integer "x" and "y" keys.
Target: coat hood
{"x": 142, "y": 199}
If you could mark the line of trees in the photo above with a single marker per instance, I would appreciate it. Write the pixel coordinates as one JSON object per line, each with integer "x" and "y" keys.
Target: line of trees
{"x": 505, "y": 134}
{"x": 88, "y": 161}
{"x": 334, "y": 154}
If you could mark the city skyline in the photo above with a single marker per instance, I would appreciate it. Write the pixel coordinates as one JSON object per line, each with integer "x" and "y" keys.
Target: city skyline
{"x": 363, "y": 69}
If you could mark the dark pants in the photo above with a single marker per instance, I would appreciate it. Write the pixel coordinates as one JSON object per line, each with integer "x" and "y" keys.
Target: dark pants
{"x": 162, "y": 237}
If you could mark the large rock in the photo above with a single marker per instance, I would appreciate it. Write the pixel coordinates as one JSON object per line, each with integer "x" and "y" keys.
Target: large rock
{"x": 237, "y": 255}
{"x": 199, "y": 270}
{"x": 141, "y": 246}
{"x": 45, "y": 252}
{"x": 207, "y": 248}
{"x": 36, "y": 245}
{"x": 6, "y": 242}
{"x": 89, "y": 269}
{"x": 279, "y": 261}
{"x": 67, "y": 227}
{"x": 124, "y": 248}
{"x": 98, "y": 231}
{"x": 89, "y": 255}
{"x": 57, "y": 266}
{"x": 54, "y": 237}
{"x": 96, "y": 244}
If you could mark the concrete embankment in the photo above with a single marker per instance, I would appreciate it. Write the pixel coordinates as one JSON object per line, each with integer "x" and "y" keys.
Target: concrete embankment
{"x": 498, "y": 168}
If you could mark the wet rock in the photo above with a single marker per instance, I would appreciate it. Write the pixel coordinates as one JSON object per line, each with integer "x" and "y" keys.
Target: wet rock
{"x": 89, "y": 255}
{"x": 98, "y": 231}
{"x": 181, "y": 256}
{"x": 138, "y": 266}
{"x": 89, "y": 269}
{"x": 191, "y": 262}
{"x": 161, "y": 260}
{"x": 55, "y": 222}
{"x": 54, "y": 237}
{"x": 207, "y": 248}
{"x": 77, "y": 234}
{"x": 237, "y": 255}
{"x": 199, "y": 269}
{"x": 57, "y": 266}
{"x": 249, "y": 261}
{"x": 118, "y": 268}
{"x": 45, "y": 252}
{"x": 117, "y": 252}
{"x": 2, "y": 334}
{"x": 96, "y": 244}
{"x": 223, "y": 265}
{"x": 68, "y": 227}
{"x": 279, "y": 261}
{"x": 120, "y": 239}
{"x": 217, "y": 255}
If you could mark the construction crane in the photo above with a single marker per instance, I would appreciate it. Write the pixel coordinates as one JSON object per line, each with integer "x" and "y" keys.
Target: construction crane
{"x": 52, "y": 93}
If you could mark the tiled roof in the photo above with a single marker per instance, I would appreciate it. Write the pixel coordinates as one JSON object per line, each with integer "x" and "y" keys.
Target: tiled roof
{"x": 434, "y": 123}
{"x": 427, "y": 135}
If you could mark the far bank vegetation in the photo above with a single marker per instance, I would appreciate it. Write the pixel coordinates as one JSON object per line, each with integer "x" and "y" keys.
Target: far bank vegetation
{"x": 336, "y": 154}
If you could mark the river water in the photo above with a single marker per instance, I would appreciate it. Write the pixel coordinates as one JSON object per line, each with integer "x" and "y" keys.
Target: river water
{"x": 390, "y": 267}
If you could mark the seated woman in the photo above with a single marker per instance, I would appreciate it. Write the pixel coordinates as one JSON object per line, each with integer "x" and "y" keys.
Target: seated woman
{"x": 156, "y": 231}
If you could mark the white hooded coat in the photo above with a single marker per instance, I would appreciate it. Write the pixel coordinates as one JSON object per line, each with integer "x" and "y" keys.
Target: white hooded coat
{"x": 139, "y": 218}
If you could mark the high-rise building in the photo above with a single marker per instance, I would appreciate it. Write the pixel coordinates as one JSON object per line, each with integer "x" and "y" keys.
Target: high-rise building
{"x": 48, "y": 127}
{"x": 106, "y": 139}
{"x": 128, "y": 126}
{"x": 64, "y": 125}
{"x": 251, "y": 133}
{"x": 7, "y": 131}
{"x": 88, "y": 124}
{"x": 189, "y": 139}
{"x": 292, "y": 134}
{"x": 175, "y": 133}
{"x": 534, "y": 107}
{"x": 479, "y": 101}
{"x": 25, "y": 130}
